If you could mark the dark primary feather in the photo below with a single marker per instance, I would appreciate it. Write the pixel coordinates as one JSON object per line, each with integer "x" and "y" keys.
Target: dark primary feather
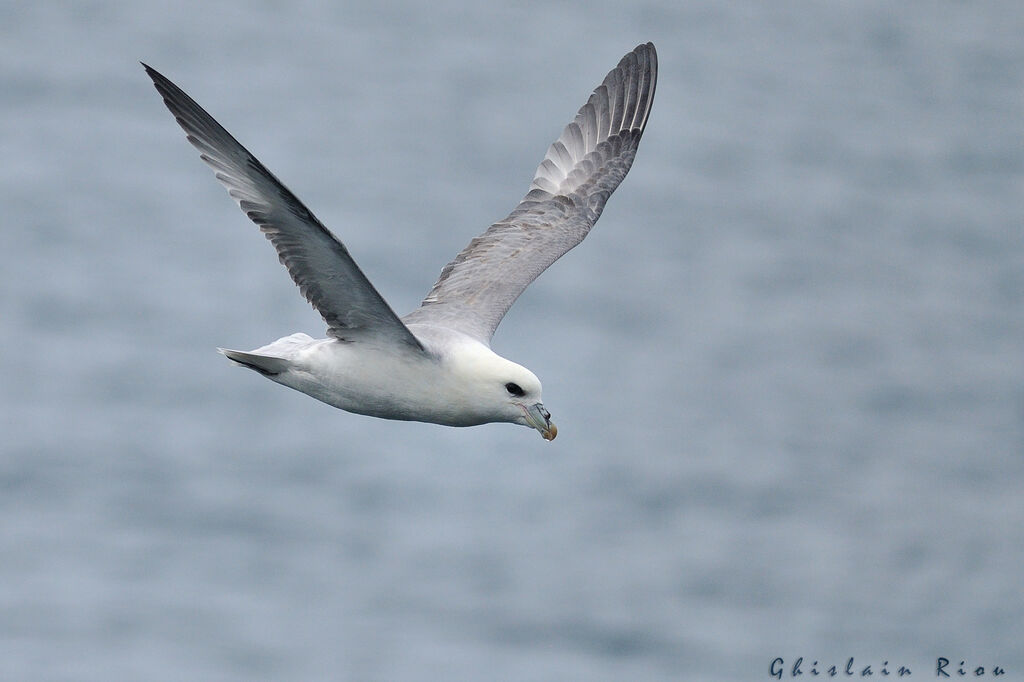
{"x": 316, "y": 260}
{"x": 572, "y": 184}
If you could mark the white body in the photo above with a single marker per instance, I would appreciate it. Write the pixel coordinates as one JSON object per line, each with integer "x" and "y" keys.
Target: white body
{"x": 455, "y": 383}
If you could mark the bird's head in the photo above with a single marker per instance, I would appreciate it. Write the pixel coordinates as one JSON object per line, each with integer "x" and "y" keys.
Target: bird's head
{"x": 504, "y": 391}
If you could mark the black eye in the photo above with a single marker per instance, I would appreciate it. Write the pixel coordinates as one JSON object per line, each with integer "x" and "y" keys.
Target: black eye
{"x": 514, "y": 389}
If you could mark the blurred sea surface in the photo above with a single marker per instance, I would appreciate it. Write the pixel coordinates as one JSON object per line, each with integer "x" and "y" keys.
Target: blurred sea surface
{"x": 787, "y": 366}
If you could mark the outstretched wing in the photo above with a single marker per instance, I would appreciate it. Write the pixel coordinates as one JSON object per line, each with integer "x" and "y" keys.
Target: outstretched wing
{"x": 580, "y": 171}
{"x": 316, "y": 260}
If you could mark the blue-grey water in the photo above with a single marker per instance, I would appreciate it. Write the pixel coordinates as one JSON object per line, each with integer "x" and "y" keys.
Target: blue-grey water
{"x": 787, "y": 366}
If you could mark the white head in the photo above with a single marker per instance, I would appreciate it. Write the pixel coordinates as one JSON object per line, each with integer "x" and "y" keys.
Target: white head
{"x": 499, "y": 390}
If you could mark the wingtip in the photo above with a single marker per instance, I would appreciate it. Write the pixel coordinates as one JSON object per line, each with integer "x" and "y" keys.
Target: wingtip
{"x": 647, "y": 49}
{"x": 154, "y": 75}
{"x": 642, "y": 49}
{"x": 159, "y": 80}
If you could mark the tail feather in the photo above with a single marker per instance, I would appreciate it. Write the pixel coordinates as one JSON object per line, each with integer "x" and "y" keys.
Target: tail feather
{"x": 267, "y": 365}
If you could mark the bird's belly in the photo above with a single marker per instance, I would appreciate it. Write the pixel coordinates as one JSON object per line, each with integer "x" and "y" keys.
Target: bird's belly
{"x": 374, "y": 383}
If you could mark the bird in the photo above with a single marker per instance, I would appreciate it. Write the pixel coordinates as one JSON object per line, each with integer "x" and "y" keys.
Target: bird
{"x": 434, "y": 364}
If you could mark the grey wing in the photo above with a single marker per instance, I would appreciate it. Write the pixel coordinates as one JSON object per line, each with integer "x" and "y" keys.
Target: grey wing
{"x": 316, "y": 260}
{"x": 572, "y": 184}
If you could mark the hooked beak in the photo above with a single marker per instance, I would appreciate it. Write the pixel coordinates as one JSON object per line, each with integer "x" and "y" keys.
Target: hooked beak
{"x": 540, "y": 419}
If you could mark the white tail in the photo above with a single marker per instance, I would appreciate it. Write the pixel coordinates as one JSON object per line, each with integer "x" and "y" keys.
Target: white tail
{"x": 264, "y": 364}
{"x": 271, "y": 359}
